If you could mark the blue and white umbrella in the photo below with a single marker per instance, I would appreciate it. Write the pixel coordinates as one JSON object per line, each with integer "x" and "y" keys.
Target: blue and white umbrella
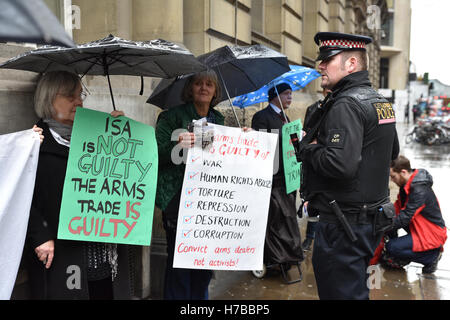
{"x": 297, "y": 78}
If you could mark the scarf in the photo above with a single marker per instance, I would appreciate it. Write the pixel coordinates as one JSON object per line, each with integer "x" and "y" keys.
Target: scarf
{"x": 64, "y": 130}
{"x": 101, "y": 260}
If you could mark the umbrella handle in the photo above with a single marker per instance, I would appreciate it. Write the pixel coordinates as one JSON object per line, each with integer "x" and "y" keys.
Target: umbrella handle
{"x": 110, "y": 91}
{"x": 142, "y": 86}
{"x": 105, "y": 68}
{"x": 281, "y": 104}
{"x": 229, "y": 99}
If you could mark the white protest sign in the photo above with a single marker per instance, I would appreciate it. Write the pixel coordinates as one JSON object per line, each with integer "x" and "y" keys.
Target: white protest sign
{"x": 19, "y": 153}
{"x": 225, "y": 200}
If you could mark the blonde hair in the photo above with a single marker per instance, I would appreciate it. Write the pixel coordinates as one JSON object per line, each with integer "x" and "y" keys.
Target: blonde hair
{"x": 209, "y": 74}
{"x": 51, "y": 84}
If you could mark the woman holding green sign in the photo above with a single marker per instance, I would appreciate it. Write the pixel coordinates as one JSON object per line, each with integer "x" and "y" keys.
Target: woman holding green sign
{"x": 61, "y": 269}
{"x": 201, "y": 93}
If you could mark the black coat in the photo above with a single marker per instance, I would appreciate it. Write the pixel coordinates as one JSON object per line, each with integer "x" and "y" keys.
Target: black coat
{"x": 43, "y": 226}
{"x": 310, "y": 115}
{"x": 283, "y": 240}
{"x": 356, "y": 141}
{"x": 268, "y": 119}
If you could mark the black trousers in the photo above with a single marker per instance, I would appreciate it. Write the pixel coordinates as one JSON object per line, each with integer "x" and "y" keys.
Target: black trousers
{"x": 183, "y": 284}
{"x": 340, "y": 266}
{"x": 101, "y": 289}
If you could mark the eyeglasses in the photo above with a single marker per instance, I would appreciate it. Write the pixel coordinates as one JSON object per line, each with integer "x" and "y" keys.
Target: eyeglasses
{"x": 82, "y": 96}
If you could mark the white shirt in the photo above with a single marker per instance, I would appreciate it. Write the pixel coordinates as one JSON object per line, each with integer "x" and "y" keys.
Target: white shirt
{"x": 59, "y": 139}
{"x": 278, "y": 110}
{"x": 275, "y": 108}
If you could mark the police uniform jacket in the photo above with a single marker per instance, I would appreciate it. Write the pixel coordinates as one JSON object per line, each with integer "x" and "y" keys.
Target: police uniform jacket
{"x": 310, "y": 114}
{"x": 356, "y": 141}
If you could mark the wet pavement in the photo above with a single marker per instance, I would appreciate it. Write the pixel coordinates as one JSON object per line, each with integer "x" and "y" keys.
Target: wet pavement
{"x": 407, "y": 284}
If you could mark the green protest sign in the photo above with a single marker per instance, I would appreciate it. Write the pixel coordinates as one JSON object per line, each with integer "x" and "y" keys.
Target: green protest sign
{"x": 110, "y": 184}
{"x": 291, "y": 166}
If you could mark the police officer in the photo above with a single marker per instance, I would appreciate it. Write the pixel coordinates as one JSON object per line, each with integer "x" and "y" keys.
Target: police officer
{"x": 346, "y": 158}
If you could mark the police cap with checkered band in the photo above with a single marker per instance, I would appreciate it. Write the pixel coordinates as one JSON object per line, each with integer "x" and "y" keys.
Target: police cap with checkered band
{"x": 332, "y": 43}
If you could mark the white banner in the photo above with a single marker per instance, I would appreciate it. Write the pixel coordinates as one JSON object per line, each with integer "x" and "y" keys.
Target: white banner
{"x": 225, "y": 200}
{"x": 19, "y": 154}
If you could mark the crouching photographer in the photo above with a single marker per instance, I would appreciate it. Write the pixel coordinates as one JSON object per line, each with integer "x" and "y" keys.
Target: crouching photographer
{"x": 418, "y": 212}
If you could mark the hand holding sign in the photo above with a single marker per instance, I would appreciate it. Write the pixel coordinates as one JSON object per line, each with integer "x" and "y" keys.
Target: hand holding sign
{"x": 186, "y": 139}
{"x": 117, "y": 113}
{"x": 39, "y": 131}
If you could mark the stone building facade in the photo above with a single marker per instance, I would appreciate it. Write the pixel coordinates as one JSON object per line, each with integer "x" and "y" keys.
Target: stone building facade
{"x": 287, "y": 26}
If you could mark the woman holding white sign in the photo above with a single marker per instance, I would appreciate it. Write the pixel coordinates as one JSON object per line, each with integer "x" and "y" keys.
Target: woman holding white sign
{"x": 201, "y": 93}
{"x": 61, "y": 269}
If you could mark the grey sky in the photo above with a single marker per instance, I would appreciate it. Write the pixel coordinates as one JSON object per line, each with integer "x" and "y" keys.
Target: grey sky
{"x": 430, "y": 45}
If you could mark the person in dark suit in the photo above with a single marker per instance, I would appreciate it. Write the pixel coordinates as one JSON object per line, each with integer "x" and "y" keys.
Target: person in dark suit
{"x": 283, "y": 241}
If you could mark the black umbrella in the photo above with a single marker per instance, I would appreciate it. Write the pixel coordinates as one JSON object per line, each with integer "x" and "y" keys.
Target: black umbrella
{"x": 31, "y": 21}
{"x": 111, "y": 56}
{"x": 241, "y": 69}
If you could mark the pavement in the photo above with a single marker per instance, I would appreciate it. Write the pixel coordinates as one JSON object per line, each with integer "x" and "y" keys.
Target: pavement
{"x": 406, "y": 284}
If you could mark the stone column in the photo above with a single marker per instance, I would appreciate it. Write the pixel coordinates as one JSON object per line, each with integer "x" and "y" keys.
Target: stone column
{"x": 349, "y": 17}
{"x": 157, "y": 19}
{"x": 337, "y": 15}
{"x": 316, "y": 19}
{"x": 283, "y": 24}
{"x": 98, "y": 19}
{"x": 399, "y": 63}
{"x": 210, "y": 24}
{"x": 16, "y": 93}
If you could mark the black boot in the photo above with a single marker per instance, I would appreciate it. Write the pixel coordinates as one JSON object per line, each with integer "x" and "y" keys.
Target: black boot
{"x": 432, "y": 267}
{"x": 391, "y": 263}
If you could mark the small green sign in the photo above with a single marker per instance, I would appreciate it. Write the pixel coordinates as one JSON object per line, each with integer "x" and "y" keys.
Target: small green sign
{"x": 291, "y": 166}
{"x": 110, "y": 184}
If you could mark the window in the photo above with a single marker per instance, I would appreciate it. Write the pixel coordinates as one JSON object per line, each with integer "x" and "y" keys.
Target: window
{"x": 384, "y": 73}
{"x": 387, "y": 30}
